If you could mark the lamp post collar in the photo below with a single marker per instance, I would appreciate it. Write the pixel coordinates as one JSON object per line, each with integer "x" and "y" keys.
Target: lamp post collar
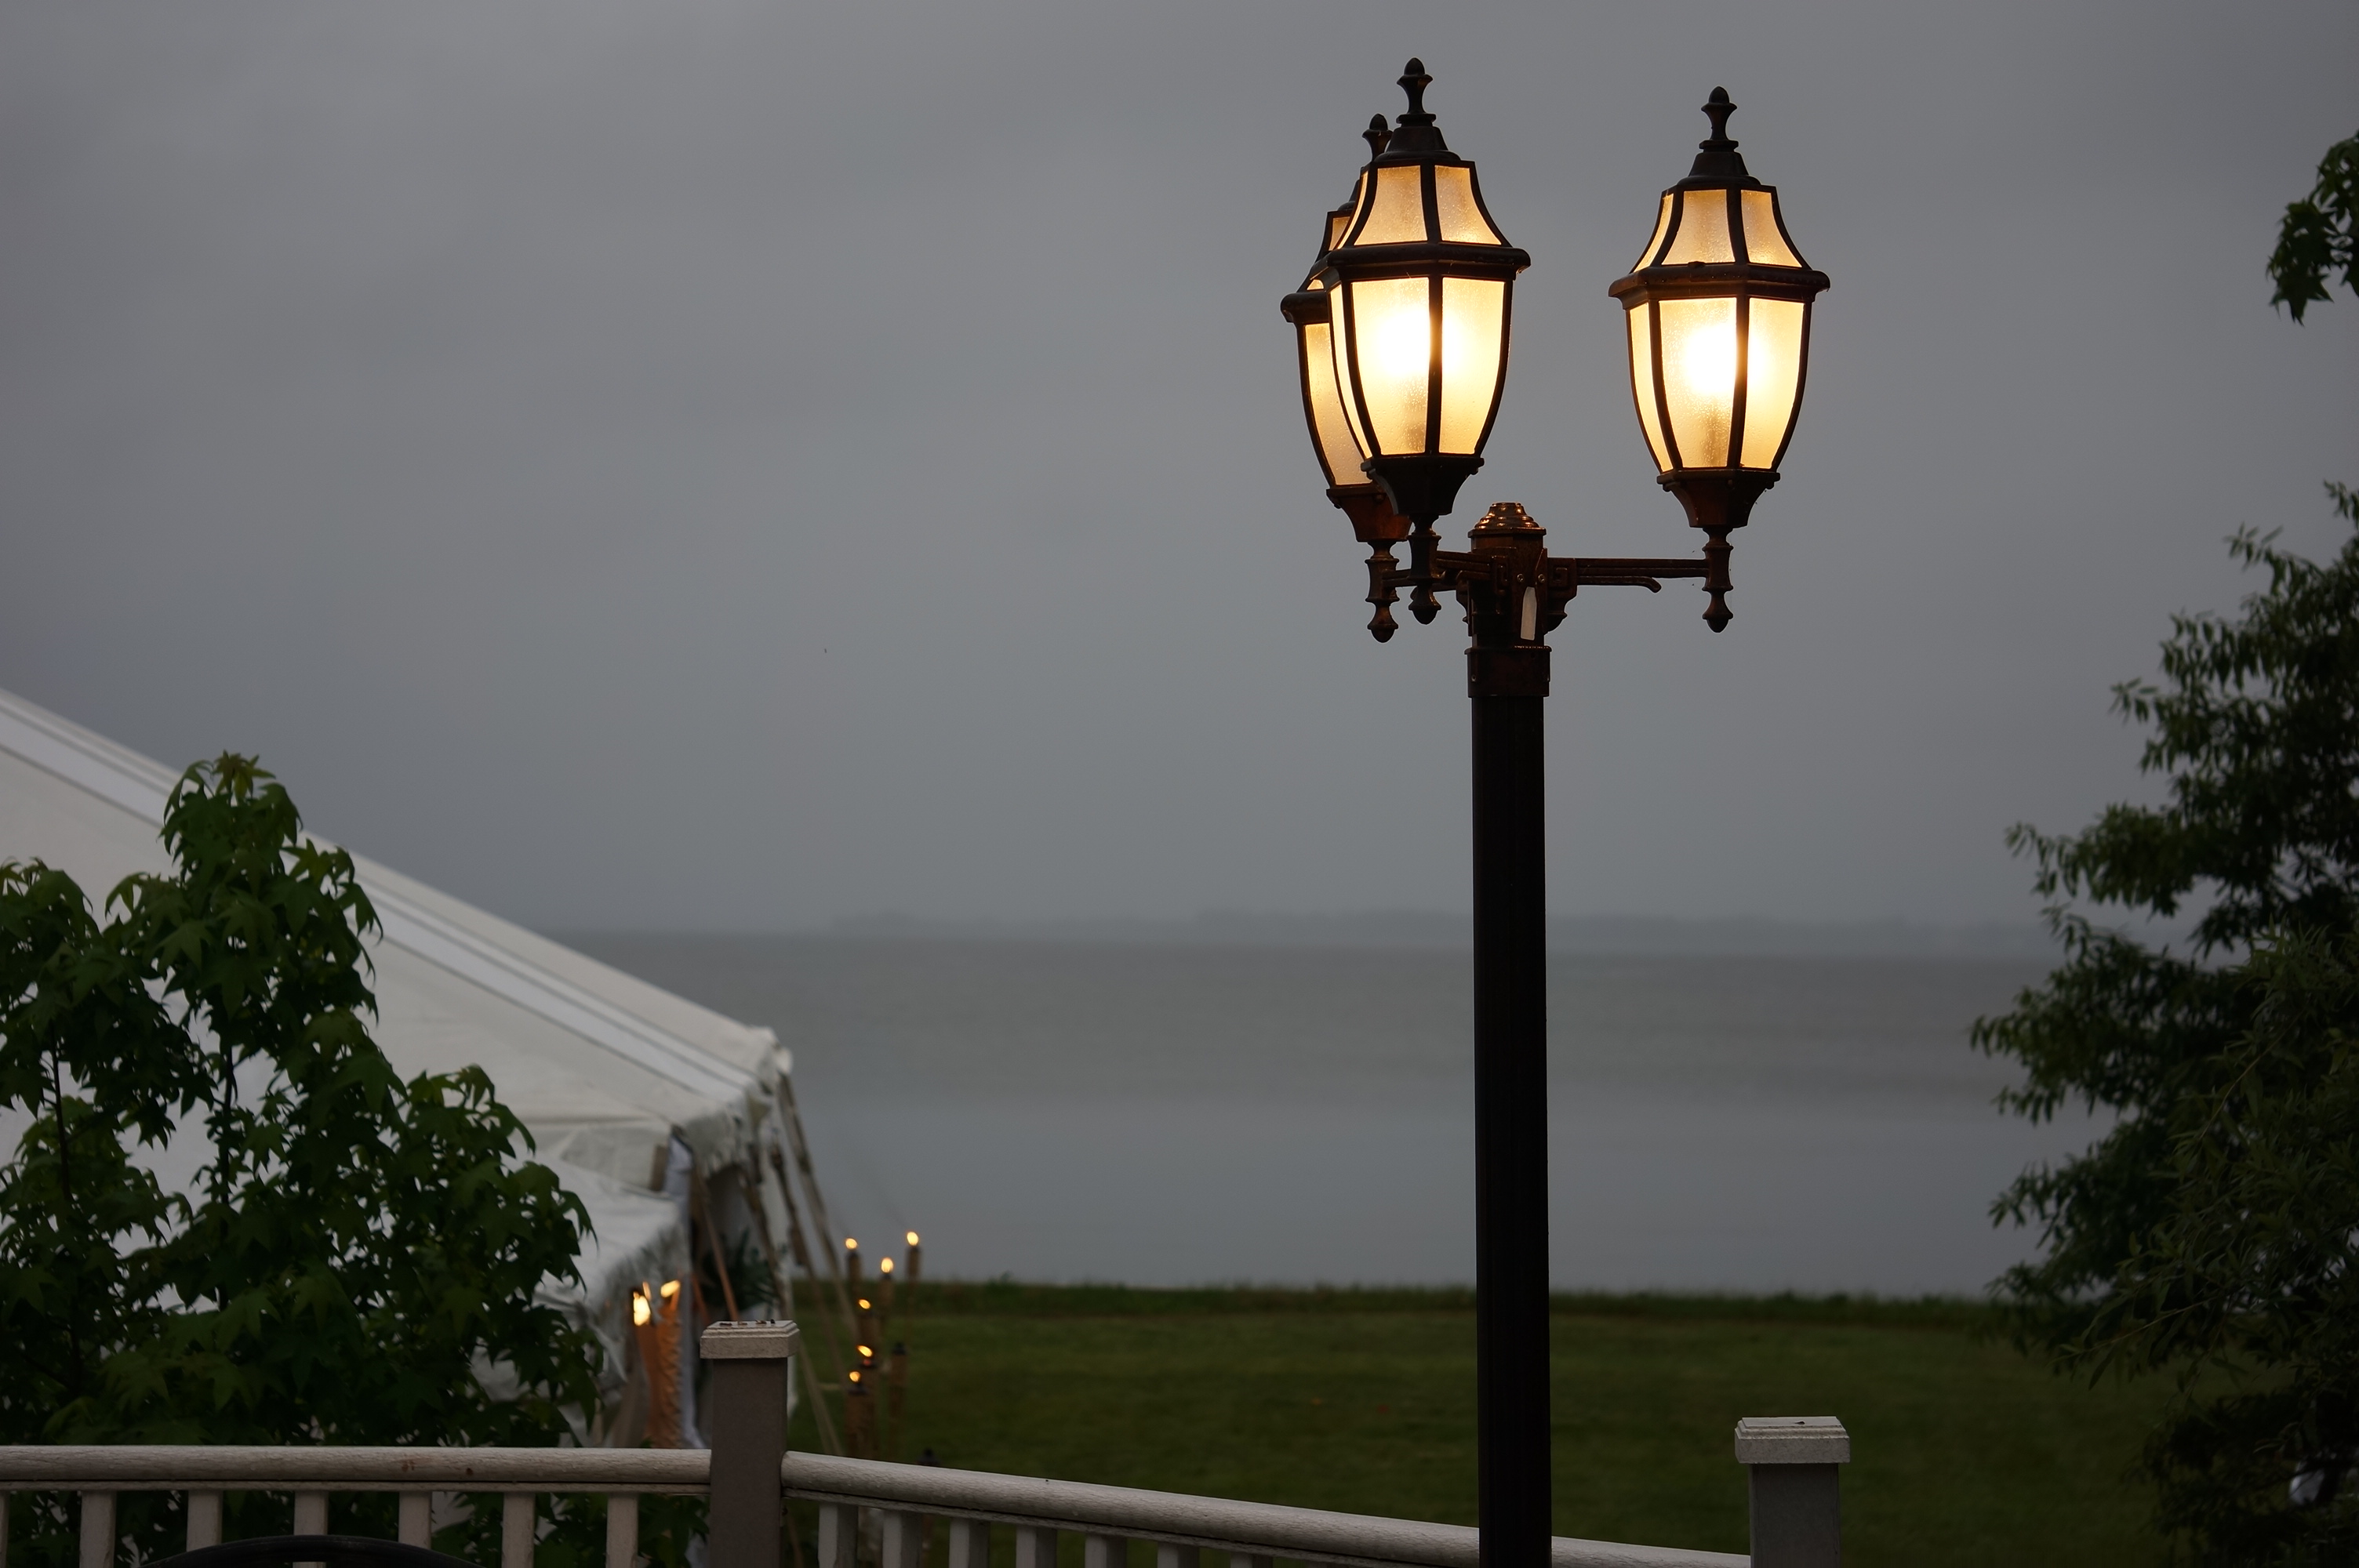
{"x": 1508, "y": 517}
{"x": 1718, "y": 164}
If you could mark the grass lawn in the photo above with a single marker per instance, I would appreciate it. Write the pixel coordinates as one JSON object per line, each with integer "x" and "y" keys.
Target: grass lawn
{"x": 1362, "y": 1400}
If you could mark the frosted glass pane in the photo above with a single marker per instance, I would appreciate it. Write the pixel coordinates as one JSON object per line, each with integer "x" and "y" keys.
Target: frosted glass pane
{"x": 1703, "y": 228}
{"x": 1700, "y": 377}
{"x": 1339, "y": 222}
{"x": 1642, "y": 381}
{"x": 1392, "y": 323}
{"x": 1454, "y": 203}
{"x": 1662, "y": 222}
{"x": 1336, "y": 343}
{"x": 1397, "y": 215}
{"x": 1763, "y": 242}
{"x": 1339, "y": 450}
{"x": 1773, "y": 376}
{"x": 1474, "y": 334}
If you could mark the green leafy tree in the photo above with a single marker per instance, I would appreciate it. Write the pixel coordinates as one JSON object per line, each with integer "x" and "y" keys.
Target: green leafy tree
{"x": 2210, "y": 1231}
{"x": 2314, "y": 238}
{"x": 358, "y": 1256}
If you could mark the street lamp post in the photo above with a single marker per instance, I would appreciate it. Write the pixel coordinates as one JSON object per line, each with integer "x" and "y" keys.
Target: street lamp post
{"x": 1401, "y": 340}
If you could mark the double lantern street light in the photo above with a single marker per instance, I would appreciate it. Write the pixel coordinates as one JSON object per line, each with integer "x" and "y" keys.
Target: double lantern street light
{"x": 1401, "y": 336}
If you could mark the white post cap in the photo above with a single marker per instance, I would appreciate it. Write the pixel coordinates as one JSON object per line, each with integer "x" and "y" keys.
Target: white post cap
{"x": 771, "y": 1339}
{"x": 1792, "y": 1440}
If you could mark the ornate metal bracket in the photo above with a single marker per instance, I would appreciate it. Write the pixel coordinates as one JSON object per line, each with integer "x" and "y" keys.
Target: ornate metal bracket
{"x": 1517, "y": 589}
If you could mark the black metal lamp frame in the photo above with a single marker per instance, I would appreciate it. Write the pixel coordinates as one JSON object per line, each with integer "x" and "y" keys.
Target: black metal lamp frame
{"x": 1513, "y": 593}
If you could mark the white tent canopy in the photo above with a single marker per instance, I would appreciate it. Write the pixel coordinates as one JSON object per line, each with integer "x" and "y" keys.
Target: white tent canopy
{"x": 605, "y": 1070}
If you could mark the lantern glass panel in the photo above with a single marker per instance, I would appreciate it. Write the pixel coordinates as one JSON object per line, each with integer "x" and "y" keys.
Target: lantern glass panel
{"x": 1460, "y": 214}
{"x": 1763, "y": 240}
{"x": 1396, "y": 217}
{"x": 1773, "y": 378}
{"x": 1392, "y": 341}
{"x": 1338, "y": 221}
{"x": 1700, "y": 376}
{"x": 1662, "y": 222}
{"x": 1339, "y": 450}
{"x": 1474, "y": 331}
{"x": 1703, "y": 230}
{"x": 1642, "y": 379}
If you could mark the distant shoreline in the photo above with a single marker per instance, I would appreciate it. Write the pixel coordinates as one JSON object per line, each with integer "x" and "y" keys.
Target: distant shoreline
{"x": 1603, "y": 935}
{"x": 1008, "y": 1298}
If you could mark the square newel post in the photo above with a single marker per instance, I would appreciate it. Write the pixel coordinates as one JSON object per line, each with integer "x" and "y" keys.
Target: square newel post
{"x": 746, "y": 1421}
{"x": 1792, "y": 1464}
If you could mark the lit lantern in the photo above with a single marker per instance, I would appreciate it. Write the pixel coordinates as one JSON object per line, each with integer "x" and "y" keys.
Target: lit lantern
{"x": 1359, "y": 497}
{"x": 1416, "y": 290}
{"x": 1719, "y": 317}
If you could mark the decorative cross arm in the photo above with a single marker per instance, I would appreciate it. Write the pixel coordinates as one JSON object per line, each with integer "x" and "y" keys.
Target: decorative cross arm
{"x": 1512, "y": 589}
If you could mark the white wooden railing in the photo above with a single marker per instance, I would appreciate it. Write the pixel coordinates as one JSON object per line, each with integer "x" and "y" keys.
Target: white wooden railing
{"x": 749, "y": 1476}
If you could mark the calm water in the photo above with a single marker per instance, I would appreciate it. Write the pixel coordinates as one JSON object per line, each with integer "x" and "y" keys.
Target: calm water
{"x": 1196, "y": 1113}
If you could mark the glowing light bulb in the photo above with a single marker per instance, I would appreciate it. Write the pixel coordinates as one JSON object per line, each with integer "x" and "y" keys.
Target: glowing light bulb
{"x": 640, "y": 1310}
{"x": 885, "y": 1265}
{"x": 912, "y": 1237}
{"x": 670, "y": 1289}
{"x": 852, "y": 1244}
{"x": 1403, "y": 343}
{"x": 1708, "y": 358}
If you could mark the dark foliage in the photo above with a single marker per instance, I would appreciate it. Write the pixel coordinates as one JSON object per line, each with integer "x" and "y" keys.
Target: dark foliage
{"x": 355, "y": 1250}
{"x": 2208, "y": 1232}
{"x": 2314, "y": 238}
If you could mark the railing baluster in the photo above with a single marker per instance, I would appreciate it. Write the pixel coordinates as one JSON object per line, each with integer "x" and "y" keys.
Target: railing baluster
{"x": 1167, "y": 1555}
{"x": 970, "y": 1544}
{"x": 622, "y": 1528}
{"x": 1035, "y": 1548}
{"x": 903, "y": 1534}
{"x": 416, "y": 1526}
{"x": 5, "y": 1498}
{"x": 1251, "y": 1560}
{"x": 204, "y": 1519}
{"x": 311, "y": 1519}
{"x": 1104, "y": 1551}
{"x": 98, "y": 1530}
{"x": 838, "y": 1527}
{"x": 516, "y": 1530}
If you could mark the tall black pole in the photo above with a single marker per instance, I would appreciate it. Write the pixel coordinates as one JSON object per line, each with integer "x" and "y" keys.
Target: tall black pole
{"x": 1508, "y": 681}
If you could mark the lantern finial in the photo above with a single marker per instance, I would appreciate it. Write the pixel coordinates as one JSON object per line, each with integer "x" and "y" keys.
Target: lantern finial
{"x": 1718, "y": 162}
{"x": 1414, "y": 81}
{"x": 1719, "y": 109}
{"x": 1376, "y": 135}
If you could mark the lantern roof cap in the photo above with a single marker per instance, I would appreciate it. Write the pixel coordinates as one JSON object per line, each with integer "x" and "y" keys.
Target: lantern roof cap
{"x": 1418, "y": 139}
{"x": 1718, "y": 164}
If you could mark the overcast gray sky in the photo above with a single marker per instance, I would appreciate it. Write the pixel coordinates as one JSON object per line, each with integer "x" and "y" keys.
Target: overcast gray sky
{"x": 730, "y": 464}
